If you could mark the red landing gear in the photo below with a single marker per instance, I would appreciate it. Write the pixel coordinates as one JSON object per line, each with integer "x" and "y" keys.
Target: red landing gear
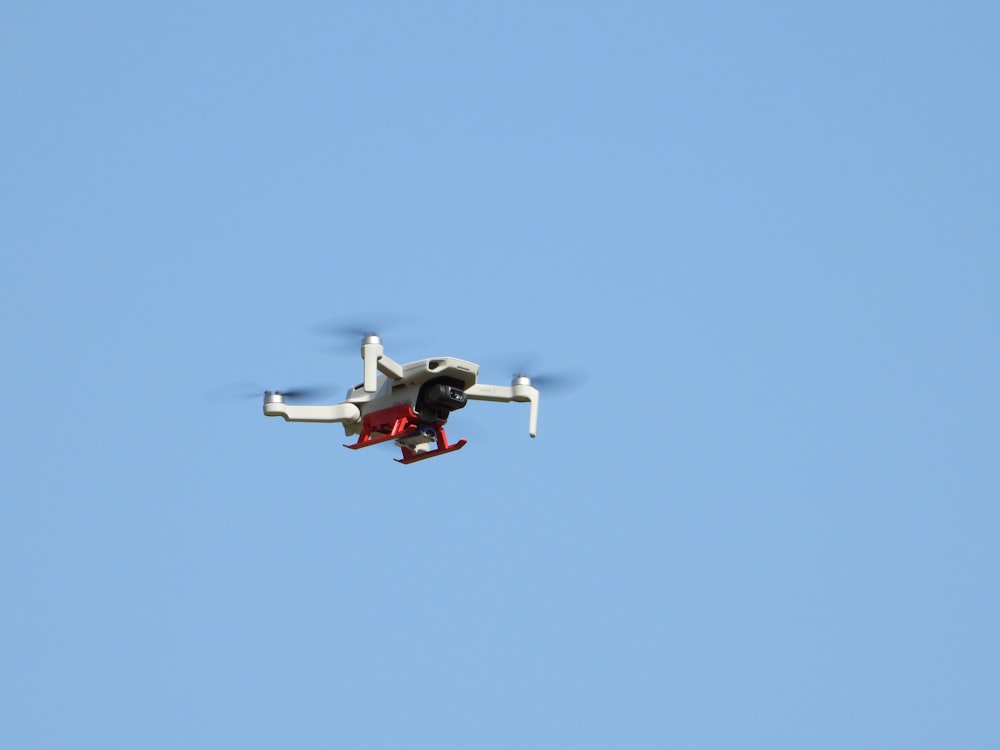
{"x": 401, "y": 423}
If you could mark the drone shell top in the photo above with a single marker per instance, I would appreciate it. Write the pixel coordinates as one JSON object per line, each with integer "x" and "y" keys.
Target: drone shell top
{"x": 415, "y": 374}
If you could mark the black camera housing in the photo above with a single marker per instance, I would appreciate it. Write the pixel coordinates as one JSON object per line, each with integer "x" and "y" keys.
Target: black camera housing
{"x": 439, "y": 397}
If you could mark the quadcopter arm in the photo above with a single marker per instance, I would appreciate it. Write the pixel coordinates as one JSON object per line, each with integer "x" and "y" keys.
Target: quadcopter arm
{"x": 390, "y": 367}
{"x": 345, "y": 412}
{"x": 373, "y": 354}
{"x": 502, "y": 393}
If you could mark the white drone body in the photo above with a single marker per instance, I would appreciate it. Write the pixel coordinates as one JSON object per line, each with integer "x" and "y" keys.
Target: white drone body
{"x": 409, "y": 403}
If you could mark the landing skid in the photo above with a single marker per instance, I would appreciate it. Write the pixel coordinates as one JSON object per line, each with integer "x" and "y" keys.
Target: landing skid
{"x": 401, "y": 424}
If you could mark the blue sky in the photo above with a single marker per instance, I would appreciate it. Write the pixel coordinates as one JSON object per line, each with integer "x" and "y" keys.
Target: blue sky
{"x": 763, "y": 235}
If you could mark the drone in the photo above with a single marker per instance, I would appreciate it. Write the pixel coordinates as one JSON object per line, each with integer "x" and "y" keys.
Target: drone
{"x": 408, "y": 404}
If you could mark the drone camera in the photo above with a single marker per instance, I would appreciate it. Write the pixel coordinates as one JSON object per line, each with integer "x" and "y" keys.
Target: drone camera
{"x": 442, "y": 396}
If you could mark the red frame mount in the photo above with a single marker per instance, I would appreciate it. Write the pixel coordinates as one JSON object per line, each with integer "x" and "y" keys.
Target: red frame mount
{"x": 398, "y": 422}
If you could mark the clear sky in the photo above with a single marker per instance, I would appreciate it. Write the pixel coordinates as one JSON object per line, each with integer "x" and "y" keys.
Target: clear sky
{"x": 764, "y": 236}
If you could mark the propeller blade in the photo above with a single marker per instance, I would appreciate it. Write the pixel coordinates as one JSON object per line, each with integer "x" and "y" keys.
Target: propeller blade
{"x": 356, "y": 329}
{"x": 303, "y": 392}
{"x": 557, "y": 382}
{"x": 553, "y": 383}
{"x": 345, "y": 336}
{"x": 252, "y": 390}
{"x": 240, "y": 390}
{"x": 349, "y": 330}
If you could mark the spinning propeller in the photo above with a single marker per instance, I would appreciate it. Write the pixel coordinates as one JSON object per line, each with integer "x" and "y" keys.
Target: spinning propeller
{"x": 288, "y": 393}
{"x": 553, "y": 383}
{"x": 298, "y": 393}
{"x": 346, "y": 335}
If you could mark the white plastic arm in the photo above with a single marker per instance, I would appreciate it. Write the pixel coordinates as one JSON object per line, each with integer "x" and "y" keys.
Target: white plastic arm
{"x": 346, "y": 413}
{"x": 375, "y": 360}
{"x": 390, "y": 367}
{"x": 508, "y": 393}
{"x": 370, "y": 353}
